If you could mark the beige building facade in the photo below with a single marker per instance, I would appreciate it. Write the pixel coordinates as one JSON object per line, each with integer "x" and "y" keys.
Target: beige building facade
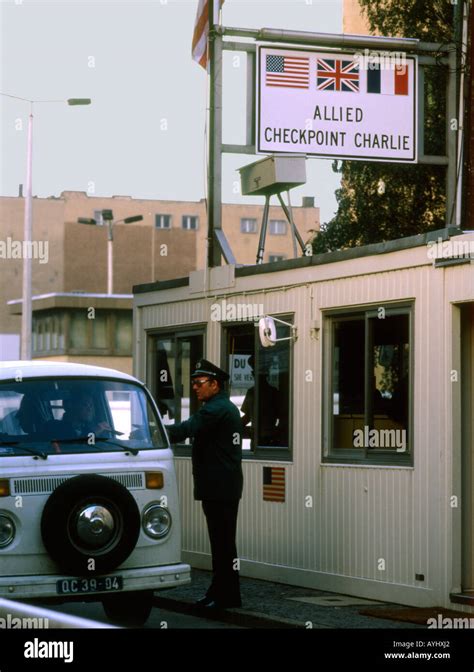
{"x": 170, "y": 242}
{"x": 353, "y": 20}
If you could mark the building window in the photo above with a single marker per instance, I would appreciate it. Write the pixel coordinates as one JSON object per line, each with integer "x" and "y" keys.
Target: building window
{"x": 78, "y": 330}
{"x": 368, "y": 383}
{"x": 47, "y": 332}
{"x": 190, "y": 222}
{"x": 248, "y": 225}
{"x": 99, "y": 337}
{"x": 260, "y": 387}
{"x": 278, "y": 227}
{"x": 99, "y": 220}
{"x": 163, "y": 221}
{"x": 123, "y": 332}
{"x": 55, "y": 334}
{"x": 108, "y": 333}
{"x": 276, "y": 257}
{"x": 40, "y": 340}
{"x": 172, "y": 360}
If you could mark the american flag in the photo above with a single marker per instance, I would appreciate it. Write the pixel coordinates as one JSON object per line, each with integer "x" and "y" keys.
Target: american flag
{"x": 201, "y": 30}
{"x": 288, "y": 71}
{"x": 273, "y": 484}
{"x": 337, "y": 75}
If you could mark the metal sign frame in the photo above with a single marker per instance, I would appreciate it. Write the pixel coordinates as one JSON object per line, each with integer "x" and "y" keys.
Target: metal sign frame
{"x": 428, "y": 53}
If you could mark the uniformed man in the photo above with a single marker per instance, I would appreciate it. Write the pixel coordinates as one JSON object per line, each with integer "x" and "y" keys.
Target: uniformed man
{"x": 216, "y": 432}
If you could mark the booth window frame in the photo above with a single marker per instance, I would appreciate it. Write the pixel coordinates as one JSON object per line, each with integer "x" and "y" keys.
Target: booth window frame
{"x": 173, "y": 333}
{"x": 259, "y": 452}
{"x": 365, "y": 455}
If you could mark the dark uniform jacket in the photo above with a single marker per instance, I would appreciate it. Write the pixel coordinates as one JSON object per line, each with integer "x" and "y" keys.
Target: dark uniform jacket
{"x": 216, "y": 432}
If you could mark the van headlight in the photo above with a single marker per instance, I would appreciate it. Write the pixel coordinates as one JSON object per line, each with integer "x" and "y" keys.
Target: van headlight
{"x": 156, "y": 521}
{"x": 7, "y": 530}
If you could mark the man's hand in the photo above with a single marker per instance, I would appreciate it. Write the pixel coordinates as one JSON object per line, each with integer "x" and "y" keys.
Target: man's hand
{"x": 103, "y": 427}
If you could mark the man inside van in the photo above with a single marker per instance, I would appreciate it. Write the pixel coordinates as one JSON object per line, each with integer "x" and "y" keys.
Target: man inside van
{"x": 80, "y": 418}
{"x": 216, "y": 432}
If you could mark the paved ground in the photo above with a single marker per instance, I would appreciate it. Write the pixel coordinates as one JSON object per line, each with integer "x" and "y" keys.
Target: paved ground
{"x": 275, "y": 605}
{"x": 159, "y": 618}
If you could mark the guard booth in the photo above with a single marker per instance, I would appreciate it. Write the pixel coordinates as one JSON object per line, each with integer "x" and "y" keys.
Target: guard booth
{"x": 357, "y": 398}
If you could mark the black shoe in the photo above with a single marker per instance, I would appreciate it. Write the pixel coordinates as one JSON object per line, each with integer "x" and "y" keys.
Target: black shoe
{"x": 212, "y": 605}
{"x": 204, "y": 601}
{"x": 221, "y": 604}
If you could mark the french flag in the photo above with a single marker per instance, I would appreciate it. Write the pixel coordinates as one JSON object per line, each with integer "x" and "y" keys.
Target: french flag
{"x": 388, "y": 81}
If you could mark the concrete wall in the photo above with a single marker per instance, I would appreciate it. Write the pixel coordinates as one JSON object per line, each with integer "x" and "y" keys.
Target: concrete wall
{"x": 124, "y": 364}
{"x": 138, "y": 256}
{"x": 48, "y": 226}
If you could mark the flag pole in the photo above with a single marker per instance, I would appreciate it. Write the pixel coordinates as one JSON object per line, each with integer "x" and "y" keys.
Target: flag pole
{"x": 215, "y": 139}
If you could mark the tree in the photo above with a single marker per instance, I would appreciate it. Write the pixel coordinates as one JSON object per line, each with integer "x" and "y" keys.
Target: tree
{"x": 384, "y": 201}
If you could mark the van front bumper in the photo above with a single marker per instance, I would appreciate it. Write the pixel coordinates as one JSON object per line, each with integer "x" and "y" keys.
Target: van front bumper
{"x": 148, "y": 578}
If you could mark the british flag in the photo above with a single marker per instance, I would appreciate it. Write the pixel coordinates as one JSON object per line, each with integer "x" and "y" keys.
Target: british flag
{"x": 337, "y": 75}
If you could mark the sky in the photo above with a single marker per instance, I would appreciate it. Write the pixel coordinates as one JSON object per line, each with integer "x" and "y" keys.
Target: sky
{"x": 144, "y": 133}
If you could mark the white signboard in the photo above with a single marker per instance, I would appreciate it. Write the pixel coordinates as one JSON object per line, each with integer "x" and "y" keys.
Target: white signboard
{"x": 357, "y": 105}
{"x": 241, "y": 372}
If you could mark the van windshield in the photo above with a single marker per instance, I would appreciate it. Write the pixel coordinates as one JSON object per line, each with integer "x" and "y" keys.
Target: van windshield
{"x": 76, "y": 415}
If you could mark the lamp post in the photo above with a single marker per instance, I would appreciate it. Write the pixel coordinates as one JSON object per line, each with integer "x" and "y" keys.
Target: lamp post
{"x": 107, "y": 216}
{"x": 26, "y": 311}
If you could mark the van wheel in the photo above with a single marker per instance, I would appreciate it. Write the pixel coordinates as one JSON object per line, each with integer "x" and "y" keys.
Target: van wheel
{"x": 129, "y": 609}
{"x": 90, "y": 524}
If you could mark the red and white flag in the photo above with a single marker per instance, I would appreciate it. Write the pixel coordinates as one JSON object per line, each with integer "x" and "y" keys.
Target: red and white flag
{"x": 201, "y": 30}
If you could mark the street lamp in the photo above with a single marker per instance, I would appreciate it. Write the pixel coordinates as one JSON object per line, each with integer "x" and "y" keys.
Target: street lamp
{"x": 26, "y": 312}
{"x": 107, "y": 216}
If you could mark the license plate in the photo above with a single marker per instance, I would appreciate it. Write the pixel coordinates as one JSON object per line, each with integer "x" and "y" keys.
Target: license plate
{"x": 99, "y": 584}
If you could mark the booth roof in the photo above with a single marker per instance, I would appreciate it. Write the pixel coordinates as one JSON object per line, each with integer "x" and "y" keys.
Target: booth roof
{"x": 317, "y": 259}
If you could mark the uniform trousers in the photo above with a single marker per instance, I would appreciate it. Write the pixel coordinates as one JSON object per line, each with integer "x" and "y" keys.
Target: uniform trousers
{"x": 221, "y": 517}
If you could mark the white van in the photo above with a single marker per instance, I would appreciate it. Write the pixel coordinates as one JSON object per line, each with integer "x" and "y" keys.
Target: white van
{"x": 88, "y": 496}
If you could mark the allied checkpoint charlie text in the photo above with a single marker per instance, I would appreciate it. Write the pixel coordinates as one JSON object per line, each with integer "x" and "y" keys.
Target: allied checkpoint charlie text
{"x": 310, "y": 136}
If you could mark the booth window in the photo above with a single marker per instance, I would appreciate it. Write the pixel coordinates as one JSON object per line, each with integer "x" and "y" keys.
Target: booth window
{"x": 368, "y": 383}
{"x": 171, "y": 359}
{"x": 259, "y": 386}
